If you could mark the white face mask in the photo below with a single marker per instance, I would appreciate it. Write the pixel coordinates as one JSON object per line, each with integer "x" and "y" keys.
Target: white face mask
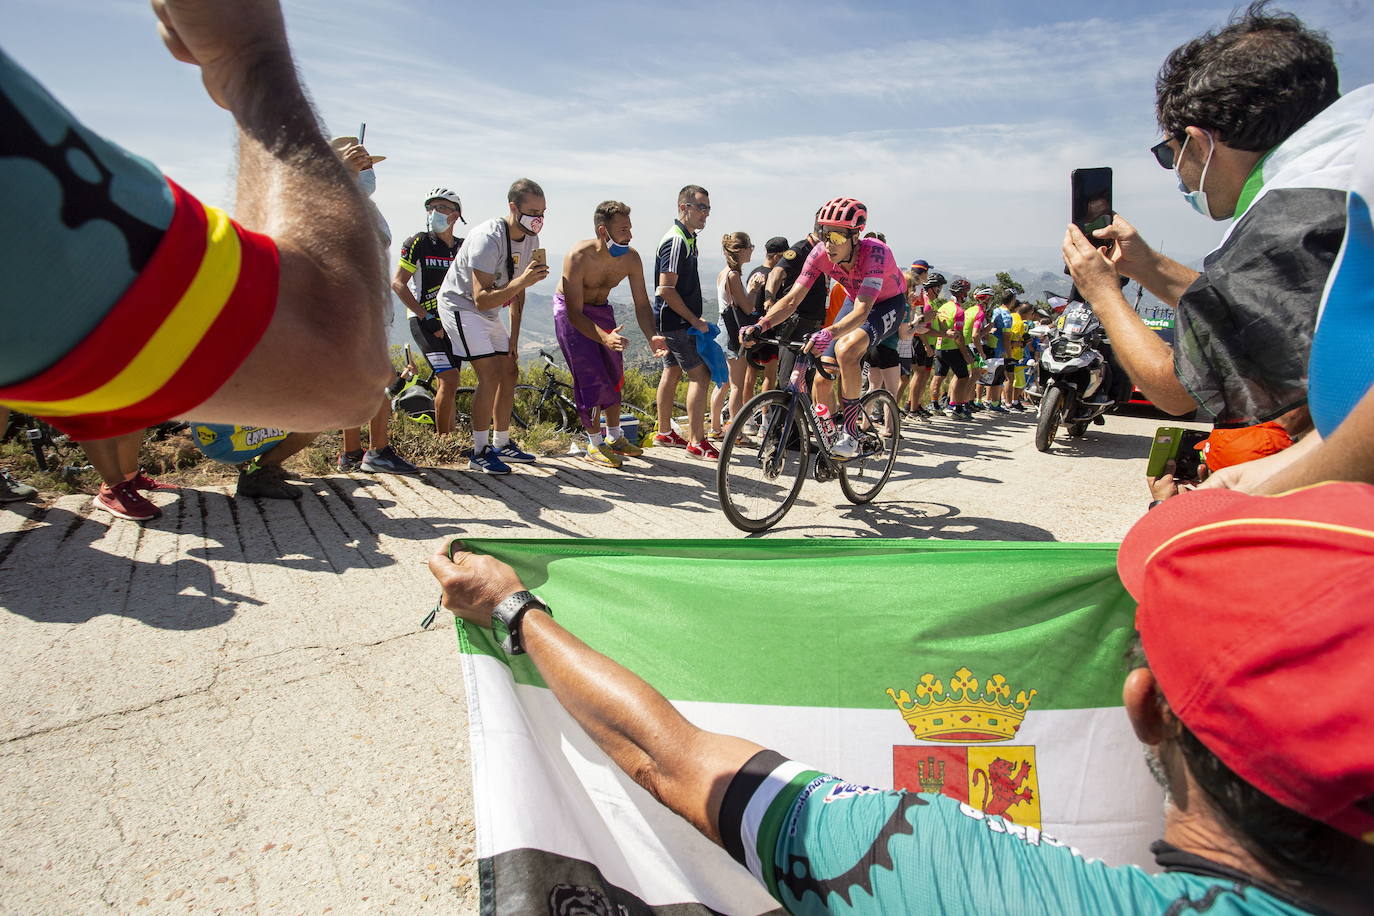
{"x": 438, "y": 222}
{"x": 1196, "y": 199}
{"x": 531, "y": 224}
{"x": 367, "y": 180}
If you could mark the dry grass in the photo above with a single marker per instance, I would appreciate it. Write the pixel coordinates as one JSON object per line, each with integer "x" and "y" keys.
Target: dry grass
{"x": 177, "y": 460}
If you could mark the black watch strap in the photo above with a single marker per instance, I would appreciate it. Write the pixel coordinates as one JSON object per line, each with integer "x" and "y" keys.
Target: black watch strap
{"x": 507, "y": 616}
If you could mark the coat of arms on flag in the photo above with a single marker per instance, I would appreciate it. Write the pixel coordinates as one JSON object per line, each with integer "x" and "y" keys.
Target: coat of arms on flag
{"x": 996, "y": 778}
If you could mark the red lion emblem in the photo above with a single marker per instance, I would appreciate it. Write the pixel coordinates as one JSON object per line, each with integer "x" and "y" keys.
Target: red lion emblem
{"x": 1002, "y": 789}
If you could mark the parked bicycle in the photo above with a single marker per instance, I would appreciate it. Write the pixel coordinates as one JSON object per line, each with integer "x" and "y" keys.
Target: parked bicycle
{"x": 767, "y": 452}
{"x": 550, "y": 403}
{"x": 53, "y": 451}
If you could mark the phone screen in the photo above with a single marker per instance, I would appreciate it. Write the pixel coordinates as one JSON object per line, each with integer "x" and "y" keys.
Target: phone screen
{"x": 1091, "y": 199}
{"x": 1173, "y": 443}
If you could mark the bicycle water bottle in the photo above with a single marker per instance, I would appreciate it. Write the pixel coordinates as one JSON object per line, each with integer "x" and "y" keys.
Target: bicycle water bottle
{"x": 826, "y": 424}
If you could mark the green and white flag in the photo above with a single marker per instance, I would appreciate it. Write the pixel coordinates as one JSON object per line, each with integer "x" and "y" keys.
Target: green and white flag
{"x": 990, "y": 672}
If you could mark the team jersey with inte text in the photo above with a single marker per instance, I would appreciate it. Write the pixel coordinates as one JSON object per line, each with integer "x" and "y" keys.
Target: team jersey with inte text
{"x": 427, "y": 258}
{"x": 126, "y": 301}
{"x": 822, "y": 845}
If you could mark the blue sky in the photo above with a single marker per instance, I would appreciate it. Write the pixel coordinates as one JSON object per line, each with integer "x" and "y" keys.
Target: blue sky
{"x": 957, "y": 123}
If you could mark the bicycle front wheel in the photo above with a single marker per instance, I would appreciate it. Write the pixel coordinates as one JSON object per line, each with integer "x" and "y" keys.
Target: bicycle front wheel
{"x": 862, "y": 478}
{"x": 763, "y": 461}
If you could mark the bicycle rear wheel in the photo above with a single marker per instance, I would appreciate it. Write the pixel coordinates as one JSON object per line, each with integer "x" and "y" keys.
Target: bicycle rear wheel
{"x": 759, "y": 476}
{"x": 532, "y": 407}
{"x": 863, "y": 477}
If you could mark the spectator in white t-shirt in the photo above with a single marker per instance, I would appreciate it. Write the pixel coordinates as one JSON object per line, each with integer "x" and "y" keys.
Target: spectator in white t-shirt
{"x": 491, "y": 271}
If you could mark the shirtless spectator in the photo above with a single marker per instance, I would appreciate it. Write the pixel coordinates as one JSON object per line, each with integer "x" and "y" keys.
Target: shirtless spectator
{"x": 588, "y": 334}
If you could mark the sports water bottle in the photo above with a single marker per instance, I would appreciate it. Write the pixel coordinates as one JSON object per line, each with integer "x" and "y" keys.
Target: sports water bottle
{"x": 826, "y": 424}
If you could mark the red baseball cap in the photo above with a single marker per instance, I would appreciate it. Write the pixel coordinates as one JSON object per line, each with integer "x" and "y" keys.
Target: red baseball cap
{"x": 1257, "y": 616}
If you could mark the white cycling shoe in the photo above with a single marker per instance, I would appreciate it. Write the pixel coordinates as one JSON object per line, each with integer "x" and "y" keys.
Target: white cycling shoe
{"x": 844, "y": 447}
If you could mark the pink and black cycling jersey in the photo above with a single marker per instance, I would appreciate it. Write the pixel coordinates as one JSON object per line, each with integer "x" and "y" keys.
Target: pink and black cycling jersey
{"x": 873, "y": 271}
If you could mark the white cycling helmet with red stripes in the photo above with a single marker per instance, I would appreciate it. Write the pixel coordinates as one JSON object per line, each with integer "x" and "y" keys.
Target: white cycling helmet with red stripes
{"x": 843, "y": 213}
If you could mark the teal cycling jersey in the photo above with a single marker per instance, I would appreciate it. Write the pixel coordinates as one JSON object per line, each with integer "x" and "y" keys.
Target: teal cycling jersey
{"x": 822, "y": 845}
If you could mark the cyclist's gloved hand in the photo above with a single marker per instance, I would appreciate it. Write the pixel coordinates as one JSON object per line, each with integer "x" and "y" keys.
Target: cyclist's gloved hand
{"x": 749, "y": 334}
{"x": 820, "y": 341}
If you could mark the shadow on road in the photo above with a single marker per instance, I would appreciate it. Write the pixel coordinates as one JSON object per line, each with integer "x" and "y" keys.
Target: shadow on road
{"x": 68, "y": 579}
{"x": 912, "y": 519}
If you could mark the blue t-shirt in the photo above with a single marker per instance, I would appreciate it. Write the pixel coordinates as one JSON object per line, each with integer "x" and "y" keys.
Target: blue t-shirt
{"x": 822, "y": 845}
{"x": 1002, "y": 321}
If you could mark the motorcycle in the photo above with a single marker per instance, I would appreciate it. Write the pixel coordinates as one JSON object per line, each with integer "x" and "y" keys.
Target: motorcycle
{"x": 1074, "y": 379}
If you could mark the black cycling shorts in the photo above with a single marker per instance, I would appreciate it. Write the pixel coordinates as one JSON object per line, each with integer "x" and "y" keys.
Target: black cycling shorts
{"x": 436, "y": 350}
{"x": 951, "y": 361}
{"x": 921, "y": 358}
{"x": 881, "y": 357}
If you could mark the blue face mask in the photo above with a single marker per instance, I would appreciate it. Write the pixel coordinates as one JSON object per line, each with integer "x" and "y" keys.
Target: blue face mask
{"x": 367, "y": 180}
{"x": 437, "y": 222}
{"x": 1196, "y": 199}
{"x": 616, "y": 249}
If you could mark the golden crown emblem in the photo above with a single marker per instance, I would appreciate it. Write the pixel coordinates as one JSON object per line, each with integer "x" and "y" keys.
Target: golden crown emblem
{"x": 968, "y": 712}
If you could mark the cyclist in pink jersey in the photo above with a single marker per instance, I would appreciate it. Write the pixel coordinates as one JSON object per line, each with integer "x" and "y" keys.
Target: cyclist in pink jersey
{"x": 869, "y": 273}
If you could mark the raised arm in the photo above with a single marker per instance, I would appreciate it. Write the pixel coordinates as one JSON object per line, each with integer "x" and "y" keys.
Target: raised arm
{"x": 685, "y": 768}
{"x": 331, "y": 294}
{"x": 1148, "y": 360}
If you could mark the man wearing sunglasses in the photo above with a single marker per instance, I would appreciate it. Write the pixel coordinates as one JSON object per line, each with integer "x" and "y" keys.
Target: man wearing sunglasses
{"x": 1256, "y": 131}
{"x": 677, "y": 312}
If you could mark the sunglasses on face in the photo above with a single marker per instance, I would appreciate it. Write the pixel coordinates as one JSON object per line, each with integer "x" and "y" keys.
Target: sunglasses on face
{"x": 1164, "y": 154}
{"x": 704, "y": 208}
{"x": 446, "y": 210}
{"x": 832, "y": 236}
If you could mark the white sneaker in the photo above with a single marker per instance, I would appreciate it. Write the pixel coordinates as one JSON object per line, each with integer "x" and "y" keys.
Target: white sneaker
{"x": 845, "y": 447}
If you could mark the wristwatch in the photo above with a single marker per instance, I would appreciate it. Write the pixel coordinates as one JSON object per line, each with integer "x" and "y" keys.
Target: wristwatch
{"x": 506, "y": 618}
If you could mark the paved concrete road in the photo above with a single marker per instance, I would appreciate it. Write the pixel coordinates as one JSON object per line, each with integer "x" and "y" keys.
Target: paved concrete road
{"x": 232, "y": 707}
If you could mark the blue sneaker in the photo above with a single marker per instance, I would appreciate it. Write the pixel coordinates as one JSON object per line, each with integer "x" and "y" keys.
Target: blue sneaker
{"x": 386, "y": 461}
{"x": 511, "y": 452}
{"x": 488, "y": 460}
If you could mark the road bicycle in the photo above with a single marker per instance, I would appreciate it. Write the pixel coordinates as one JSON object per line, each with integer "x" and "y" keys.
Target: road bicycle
{"x": 767, "y": 452}
{"x": 550, "y": 403}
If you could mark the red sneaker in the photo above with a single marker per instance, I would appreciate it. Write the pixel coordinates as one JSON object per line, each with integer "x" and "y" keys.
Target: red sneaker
{"x": 124, "y": 501}
{"x": 703, "y": 450}
{"x": 142, "y": 481}
{"x": 671, "y": 439}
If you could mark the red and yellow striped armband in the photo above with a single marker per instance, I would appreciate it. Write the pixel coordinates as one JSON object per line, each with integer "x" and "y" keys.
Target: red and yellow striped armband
{"x": 199, "y": 306}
